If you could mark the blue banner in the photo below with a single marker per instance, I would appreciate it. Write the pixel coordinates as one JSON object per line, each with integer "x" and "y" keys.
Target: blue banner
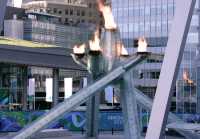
{"x": 75, "y": 121}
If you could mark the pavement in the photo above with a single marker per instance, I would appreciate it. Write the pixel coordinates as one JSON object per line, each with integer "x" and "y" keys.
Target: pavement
{"x": 80, "y": 136}
{"x": 103, "y": 137}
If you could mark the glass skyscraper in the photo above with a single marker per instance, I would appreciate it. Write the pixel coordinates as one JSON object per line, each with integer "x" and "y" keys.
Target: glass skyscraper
{"x": 152, "y": 19}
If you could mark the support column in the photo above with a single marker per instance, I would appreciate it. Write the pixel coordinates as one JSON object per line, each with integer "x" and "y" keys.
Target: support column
{"x": 25, "y": 89}
{"x": 93, "y": 116}
{"x": 55, "y": 86}
{"x": 92, "y": 113}
{"x": 129, "y": 107}
{"x": 170, "y": 67}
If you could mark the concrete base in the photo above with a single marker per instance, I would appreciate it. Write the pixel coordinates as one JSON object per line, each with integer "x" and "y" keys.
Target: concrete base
{"x": 46, "y": 133}
{"x": 52, "y": 133}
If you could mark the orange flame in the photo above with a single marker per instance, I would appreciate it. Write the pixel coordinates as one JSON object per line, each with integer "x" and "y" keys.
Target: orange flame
{"x": 107, "y": 14}
{"x": 186, "y": 78}
{"x": 79, "y": 49}
{"x": 95, "y": 43}
{"x": 142, "y": 45}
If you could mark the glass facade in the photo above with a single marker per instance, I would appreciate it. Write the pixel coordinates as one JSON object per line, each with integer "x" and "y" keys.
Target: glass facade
{"x": 41, "y": 74}
{"x": 56, "y": 34}
{"x": 152, "y": 19}
{"x": 12, "y": 86}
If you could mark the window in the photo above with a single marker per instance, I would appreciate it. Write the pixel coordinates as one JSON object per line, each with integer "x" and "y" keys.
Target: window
{"x": 55, "y": 10}
{"x": 60, "y": 12}
{"x": 71, "y": 12}
{"x": 153, "y": 61}
{"x": 78, "y": 12}
{"x": 90, "y": 14}
{"x": 66, "y": 12}
{"x": 154, "y": 75}
{"x": 141, "y": 75}
{"x": 78, "y": 21}
{"x": 49, "y": 11}
{"x": 90, "y": 5}
{"x": 83, "y": 13}
{"x": 193, "y": 38}
{"x": 66, "y": 20}
{"x": 12, "y": 87}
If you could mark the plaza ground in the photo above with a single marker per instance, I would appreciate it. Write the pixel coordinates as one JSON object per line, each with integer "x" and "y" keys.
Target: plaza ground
{"x": 82, "y": 136}
{"x": 103, "y": 137}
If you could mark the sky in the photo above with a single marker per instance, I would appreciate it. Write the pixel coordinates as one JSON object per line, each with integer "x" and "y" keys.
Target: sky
{"x": 17, "y": 3}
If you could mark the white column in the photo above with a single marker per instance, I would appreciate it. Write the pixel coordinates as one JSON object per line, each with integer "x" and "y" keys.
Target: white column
{"x": 49, "y": 89}
{"x": 109, "y": 94}
{"x": 31, "y": 87}
{"x": 68, "y": 87}
{"x": 85, "y": 82}
{"x": 31, "y": 93}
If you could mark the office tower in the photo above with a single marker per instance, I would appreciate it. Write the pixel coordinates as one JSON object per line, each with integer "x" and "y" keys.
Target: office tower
{"x": 152, "y": 19}
{"x": 71, "y": 12}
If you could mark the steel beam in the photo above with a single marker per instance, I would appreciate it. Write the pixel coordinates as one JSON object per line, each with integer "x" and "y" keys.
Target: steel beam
{"x": 3, "y": 4}
{"x": 129, "y": 107}
{"x": 173, "y": 56}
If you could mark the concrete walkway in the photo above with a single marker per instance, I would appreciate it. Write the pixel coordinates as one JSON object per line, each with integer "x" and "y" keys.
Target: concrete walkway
{"x": 102, "y": 137}
{"x": 80, "y": 136}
